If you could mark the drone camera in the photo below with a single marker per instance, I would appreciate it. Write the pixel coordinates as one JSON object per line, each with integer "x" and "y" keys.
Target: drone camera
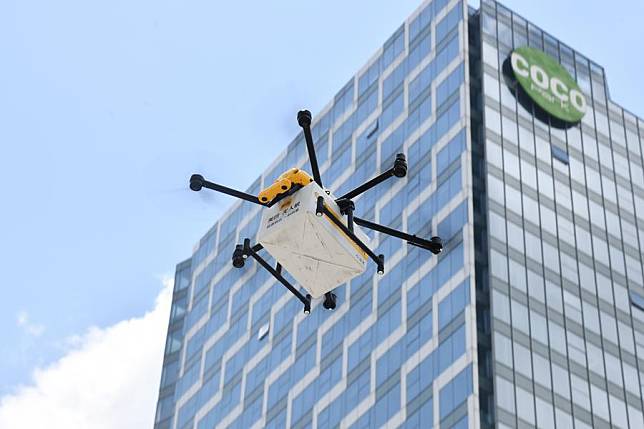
{"x": 330, "y": 300}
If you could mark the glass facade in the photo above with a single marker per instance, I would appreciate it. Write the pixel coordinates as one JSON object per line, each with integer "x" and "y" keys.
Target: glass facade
{"x": 565, "y": 216}
{"x": 533, "y": 315}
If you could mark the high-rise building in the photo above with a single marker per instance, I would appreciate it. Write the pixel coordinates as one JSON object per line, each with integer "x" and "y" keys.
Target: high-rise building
{"x": 533, "y": 315}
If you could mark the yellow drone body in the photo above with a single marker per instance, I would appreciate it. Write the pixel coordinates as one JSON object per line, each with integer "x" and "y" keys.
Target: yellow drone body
{"x": 284, "y": 183}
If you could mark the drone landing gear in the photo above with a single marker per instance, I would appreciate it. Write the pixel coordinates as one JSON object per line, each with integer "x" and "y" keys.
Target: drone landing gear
{"x": 243, "y": 251}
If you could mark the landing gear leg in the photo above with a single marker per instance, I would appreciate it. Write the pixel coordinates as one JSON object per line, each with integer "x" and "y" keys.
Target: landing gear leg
{"x": 243, "y": 251}
{"x": 330, "y": 300}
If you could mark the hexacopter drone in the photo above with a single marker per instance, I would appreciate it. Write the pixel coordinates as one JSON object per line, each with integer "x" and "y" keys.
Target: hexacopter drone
{"x": 310, "y": 232}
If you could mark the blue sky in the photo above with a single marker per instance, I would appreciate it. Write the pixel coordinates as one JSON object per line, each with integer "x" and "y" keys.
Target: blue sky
{"x": 107, "y": 107}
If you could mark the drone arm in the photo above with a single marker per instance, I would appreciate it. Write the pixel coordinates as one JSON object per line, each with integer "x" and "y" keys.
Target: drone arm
{"x": 304, "y": 120}
{"x": 399, "y": 169}
{"x": 434, "y": 245}
{"x": 368, "y": 185}
{"x": 197, "y": 182}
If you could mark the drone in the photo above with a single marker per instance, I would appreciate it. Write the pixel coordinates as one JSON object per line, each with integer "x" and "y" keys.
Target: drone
{"x": 311, "y": 233}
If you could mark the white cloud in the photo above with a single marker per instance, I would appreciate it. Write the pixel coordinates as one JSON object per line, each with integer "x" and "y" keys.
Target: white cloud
{"x": 32, "y": 329}
{"x": 109, "y": 379}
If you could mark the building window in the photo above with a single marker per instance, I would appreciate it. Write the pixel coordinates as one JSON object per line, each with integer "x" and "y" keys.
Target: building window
{"x": 559, "y": 154}
{"x": 637, "y": 300}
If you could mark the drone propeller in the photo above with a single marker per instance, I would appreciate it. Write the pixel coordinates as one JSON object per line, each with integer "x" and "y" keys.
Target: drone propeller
{"x": 208, "y": 198}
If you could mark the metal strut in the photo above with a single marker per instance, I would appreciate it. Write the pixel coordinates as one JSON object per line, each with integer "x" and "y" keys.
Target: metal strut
{"x": 250, "y": 251}
{"x": 323, "y": 209}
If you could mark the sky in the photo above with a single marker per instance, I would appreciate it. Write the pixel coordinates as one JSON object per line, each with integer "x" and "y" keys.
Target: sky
{"x": 107, "y": 107}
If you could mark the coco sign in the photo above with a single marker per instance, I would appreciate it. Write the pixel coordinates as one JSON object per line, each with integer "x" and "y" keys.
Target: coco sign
{"x": 548, "y": 84}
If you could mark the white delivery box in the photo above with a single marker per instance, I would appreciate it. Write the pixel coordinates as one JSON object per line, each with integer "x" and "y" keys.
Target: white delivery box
{"x": 315, "y": 251}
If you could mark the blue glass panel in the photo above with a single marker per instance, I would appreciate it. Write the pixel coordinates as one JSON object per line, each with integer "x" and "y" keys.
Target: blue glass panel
{"x": 366, "y": 106}
{"x": 455, "y": 392}
{"x": 451, "y": 349}
{"x": 393, "y": 47}
{"x": 279, "y": 388}
{"x": 279, "y": 422}
{"x": 392, "y": 111}
{"x": 303, "y": 402}
{"x": 333, "y": 338}
{"x": 418, "y": 115}
{"x": 392, "y": 145}
{"x": 390, "y": 283}
{"x": 418, "y": 334}
{"x": 387, "y": 323}
{"x": 453, "y": 223}
{"x": 340, "y": 163}
{"x": 419, "y": 52}
{"x": 364, "y": 422}
{"x": 449, "y": 22}
{"x": 359, "y": 390}
{"x": 451, "y": 152}
{"x": 393, "y": 81}
{"x": 329, "y": 377}
{"x": 369, "y": 77}
{"x": 343, "y": 100}
{"x": 449, "y": 188}
{"x": 420, "y": 293}
{"x": 304, "y": 363}
{"x": 446, "y": 53}
{"x": 389, "y": 362}
{"x": 461, "y": 424}
{"x": 257, "y": 375}
{"x": 423, "y": 19}
{"x": 453, "y": 304}
{"x": 449, "y": 85}
{"x": 360, "y": 349}
{"x": 421, "y": 83}
{"x": 422, "y": 417}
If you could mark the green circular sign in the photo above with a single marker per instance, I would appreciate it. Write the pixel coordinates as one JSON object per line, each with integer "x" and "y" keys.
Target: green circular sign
{"x": 548, "y": 84}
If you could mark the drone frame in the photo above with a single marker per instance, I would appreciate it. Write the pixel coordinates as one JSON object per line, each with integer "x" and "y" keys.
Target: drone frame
{"x": 347, "y": 206}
